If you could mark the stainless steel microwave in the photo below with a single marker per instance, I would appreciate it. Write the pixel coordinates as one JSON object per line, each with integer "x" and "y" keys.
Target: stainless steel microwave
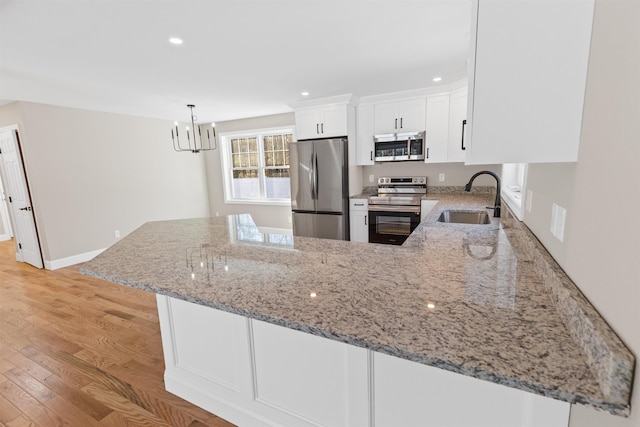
{"x": 395, "y": 147}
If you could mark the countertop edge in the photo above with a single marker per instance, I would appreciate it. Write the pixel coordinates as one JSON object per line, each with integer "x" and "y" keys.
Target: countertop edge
{"x": 610, "y": 360}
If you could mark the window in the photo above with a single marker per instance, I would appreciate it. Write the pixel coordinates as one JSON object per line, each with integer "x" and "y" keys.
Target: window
{"x": 514, "y": 177}
{"x": 256, "y": 166}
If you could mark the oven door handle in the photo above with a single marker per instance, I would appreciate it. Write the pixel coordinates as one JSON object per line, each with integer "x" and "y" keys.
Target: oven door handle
{"x": 394, "y": 208}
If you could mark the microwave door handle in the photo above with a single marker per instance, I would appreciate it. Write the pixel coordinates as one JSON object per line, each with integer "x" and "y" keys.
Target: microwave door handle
{"x": 408, "y": 147}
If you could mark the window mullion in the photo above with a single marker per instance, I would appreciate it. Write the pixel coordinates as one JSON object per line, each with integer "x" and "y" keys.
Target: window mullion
{"x": 261, "y": 168}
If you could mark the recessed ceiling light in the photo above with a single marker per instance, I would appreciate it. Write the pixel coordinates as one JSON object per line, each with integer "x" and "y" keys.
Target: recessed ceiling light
{"x": 175, "y": 40}
{"x": 305, "y": 94}
{"x": 437, "y": 79}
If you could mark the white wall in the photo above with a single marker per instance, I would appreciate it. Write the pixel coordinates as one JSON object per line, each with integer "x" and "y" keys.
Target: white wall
{"x": 92, "y": 173}
{"x": 263, "y": 216}
{"x": 601, "y": 249}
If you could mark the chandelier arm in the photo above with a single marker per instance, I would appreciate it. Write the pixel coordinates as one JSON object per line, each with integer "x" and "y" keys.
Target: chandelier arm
{"x": 194, "y": 149}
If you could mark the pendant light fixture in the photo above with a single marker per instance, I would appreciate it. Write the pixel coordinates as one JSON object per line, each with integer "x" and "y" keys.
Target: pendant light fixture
{"x": 197, "y": 145}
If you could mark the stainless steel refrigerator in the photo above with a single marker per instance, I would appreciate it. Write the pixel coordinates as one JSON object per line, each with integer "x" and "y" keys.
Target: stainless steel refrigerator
{"x": 320, "y": 188}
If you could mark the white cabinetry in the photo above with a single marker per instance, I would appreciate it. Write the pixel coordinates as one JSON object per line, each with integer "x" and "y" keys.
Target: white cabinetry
{"x": 364, "y": 134}
{"x": 400, "y": 116}
{"x": 322, "y": 122}
{"x": 426, "y": 206}
{"x": 410, "y": 394}
{"x": 253, "y": 373}
{"x": 322, "y": 382}
{"x": 437, "y": 130}
{"x": 457, "y": 125}
{"x": 358, "y": 220}
{"x": 527, "y": 78}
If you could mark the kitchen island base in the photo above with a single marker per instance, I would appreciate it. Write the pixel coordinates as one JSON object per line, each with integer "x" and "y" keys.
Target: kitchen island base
{"x": 254, "y": 373}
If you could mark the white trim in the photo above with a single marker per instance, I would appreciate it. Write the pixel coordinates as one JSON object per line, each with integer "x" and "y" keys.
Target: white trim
{"x": 225, "y": 163}
{"x": 4, "y": 213}
{"x": 516, "y": 205}
{"x": 444, "y": 89}
{"x": 347, "y": 98}
{"x": 264, "y": 202}
{"x": 71, "y": 260}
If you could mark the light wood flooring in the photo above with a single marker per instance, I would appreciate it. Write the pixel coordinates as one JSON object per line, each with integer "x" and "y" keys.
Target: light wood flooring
{"x": 77, "y": 351}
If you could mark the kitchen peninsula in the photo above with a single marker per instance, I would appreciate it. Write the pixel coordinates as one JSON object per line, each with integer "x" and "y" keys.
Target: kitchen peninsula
{"x": 267, "y": 329}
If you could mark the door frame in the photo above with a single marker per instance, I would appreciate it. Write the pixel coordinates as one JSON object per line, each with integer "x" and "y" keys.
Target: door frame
{"x": 15, "y": 128}
{"x": 4, "y": 213}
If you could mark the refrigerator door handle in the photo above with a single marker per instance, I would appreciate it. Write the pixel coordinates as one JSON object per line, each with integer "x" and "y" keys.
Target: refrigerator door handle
{"x": 312, "y": 174}
{"x": 315, "y": 172}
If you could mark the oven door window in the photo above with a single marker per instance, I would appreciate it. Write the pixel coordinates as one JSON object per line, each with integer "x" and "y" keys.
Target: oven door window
{"x": 394, "y": 225}
{"x": 391, "y": 227}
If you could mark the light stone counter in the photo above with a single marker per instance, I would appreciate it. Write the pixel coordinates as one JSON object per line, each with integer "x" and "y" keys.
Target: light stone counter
{"x": 466, "y": 298}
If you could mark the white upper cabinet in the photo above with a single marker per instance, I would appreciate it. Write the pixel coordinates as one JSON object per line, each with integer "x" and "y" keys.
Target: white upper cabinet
{"x": 400, "y": 116}
{"x": 527, "y": 79}
{"x": 322, "y": 122}
{"x": 457, "y": 125}
{"x": 364, "y": 134}
{"x": 437, "y": 129}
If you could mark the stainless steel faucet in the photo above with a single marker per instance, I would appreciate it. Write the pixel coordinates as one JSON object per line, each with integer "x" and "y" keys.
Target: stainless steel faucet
{"x": 496, "y": 206}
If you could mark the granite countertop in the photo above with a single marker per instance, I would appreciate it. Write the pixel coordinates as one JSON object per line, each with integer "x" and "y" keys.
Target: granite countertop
{"x": 466, "y": 298}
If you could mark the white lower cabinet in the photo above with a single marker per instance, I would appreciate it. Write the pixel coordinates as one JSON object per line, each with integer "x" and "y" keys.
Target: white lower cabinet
{"x": 359, "y": 220}
{"x": 410, "y": 394}
{"x": 426, "y": 206}
{"x": 253, "y": 373}
{"x": 319, "y": 381}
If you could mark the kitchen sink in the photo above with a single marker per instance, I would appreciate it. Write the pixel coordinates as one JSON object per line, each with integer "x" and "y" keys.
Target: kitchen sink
{"x": 464, "y": 217}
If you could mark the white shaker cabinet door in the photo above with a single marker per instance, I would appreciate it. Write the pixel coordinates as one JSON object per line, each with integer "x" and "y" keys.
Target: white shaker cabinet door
{"x": 527, "y": 78}
{"x": 437, "y": 133}
{"x": 307, "y": 124}
{"x": 359, "y": 220}
{"x": 457, "y": 125}
{"x": 411, "y": 394}
{"x": 364, "y": 135}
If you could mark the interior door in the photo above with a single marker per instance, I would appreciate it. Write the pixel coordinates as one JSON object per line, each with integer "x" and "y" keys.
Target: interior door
{"x": 301, "y": 159}
{"x": 7, "y": 232}
{"x": 24, "y": 227}
{"x": 330, "y": 156}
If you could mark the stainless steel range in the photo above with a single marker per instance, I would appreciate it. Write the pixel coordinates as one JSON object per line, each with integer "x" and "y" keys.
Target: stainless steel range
{"x": 395, "y": 211}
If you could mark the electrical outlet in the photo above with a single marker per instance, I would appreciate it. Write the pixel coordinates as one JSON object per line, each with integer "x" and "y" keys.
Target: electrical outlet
{"x": 289, "y": 219}
{"x": 371, "y": 178}
{"x": 116, "y": 234}
{"x": 217, "y": 213}
{"x": 441, "y": 177}
{"x": 558, "y": 218}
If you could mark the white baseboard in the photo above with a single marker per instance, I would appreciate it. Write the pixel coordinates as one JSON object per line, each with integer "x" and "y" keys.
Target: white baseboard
{"x": 71, "y": 260}
{"x": 4, "y": 237}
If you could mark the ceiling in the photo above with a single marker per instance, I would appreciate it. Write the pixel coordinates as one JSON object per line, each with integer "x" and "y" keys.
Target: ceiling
{"x": 239, "y": 58}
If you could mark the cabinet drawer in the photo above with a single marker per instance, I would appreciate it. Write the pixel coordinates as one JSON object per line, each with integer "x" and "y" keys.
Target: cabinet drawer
{"x": 358, "y": 204}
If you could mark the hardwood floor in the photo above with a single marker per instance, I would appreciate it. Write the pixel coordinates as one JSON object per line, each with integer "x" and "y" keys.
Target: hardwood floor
{"x": 77, "y": 351}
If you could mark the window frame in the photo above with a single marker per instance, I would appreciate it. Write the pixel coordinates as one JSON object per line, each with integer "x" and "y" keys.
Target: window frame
{"x": 514, "y": 187}
{"x": 227, "y": 168}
